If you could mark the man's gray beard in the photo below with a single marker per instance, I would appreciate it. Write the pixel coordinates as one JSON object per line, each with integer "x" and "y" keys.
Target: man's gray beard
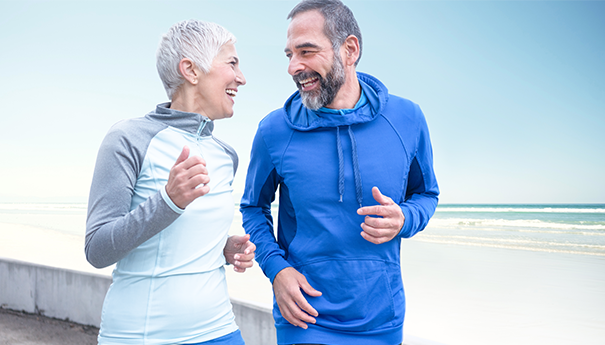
{"x": 328, "y": 87}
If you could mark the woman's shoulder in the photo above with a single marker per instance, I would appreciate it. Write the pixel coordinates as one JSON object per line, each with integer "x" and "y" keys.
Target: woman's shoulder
{"x": 131, "y": 133}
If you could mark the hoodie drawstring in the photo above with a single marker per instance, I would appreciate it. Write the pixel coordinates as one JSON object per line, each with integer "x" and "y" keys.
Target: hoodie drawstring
{"x": 341, "y": 165}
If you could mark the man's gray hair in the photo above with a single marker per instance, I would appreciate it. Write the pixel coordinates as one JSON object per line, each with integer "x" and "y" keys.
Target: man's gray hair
{"x": 340, "y": 21}
{"x": 197, "y": 40}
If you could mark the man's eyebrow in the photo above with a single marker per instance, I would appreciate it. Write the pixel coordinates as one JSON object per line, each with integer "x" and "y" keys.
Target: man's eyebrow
{"x": 304, "y": 45}
{"x": 235, "y": 58}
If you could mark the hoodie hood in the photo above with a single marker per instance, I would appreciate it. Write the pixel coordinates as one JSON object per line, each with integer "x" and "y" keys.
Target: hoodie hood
{"x": 301, "y": 118}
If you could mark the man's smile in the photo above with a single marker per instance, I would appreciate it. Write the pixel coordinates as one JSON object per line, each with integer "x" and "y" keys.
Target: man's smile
{"x": 309, "y": 83}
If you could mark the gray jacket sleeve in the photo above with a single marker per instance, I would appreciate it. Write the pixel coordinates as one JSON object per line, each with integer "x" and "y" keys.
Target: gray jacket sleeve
{"x": 112, "y": 229}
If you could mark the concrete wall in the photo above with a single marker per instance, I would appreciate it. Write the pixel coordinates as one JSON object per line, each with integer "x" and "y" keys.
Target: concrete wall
{"x": 78, "y": 297}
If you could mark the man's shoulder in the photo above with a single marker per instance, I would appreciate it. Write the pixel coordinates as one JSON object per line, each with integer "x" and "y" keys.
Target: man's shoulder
{"x": 274, "y": 118}
{"x": 401, "y": 102}
{"x": 396, "y": 106}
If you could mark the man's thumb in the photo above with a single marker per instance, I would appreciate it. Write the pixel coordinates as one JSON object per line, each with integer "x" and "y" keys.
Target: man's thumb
{"x": 383, "y": 200}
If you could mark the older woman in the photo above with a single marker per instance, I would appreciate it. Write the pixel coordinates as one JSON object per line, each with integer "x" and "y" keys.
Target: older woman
{"x": 161, "y": 207}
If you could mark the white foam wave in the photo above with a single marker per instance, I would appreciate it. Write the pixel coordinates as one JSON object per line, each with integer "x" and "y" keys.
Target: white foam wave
{"x": 507, "y": 246}
{"x": 520, "y": 210}
{"x": 42, "y": 207}
{"x": 516, "y": 223}
{"x": 513, "y": 241}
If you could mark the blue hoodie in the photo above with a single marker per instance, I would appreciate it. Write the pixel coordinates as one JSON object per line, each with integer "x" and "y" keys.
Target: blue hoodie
{"x": 325, "y": 164}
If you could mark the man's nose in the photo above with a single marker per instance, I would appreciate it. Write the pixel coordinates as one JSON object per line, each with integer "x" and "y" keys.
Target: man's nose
{"x": 295, "y": 67}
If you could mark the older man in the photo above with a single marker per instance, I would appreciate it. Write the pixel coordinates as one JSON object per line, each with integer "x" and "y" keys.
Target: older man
{"x": 343, "y": 153}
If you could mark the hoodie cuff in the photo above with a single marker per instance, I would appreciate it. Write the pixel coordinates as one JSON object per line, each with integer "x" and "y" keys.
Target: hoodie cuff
{"x": 406, "y": 229}
{"x": 274, "y": 265}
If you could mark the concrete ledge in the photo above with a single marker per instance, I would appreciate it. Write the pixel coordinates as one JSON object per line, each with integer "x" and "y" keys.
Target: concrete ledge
{"x": 255, "y": 322}
{"x": 53, "y": 292}
{"x": 78, "y": 297}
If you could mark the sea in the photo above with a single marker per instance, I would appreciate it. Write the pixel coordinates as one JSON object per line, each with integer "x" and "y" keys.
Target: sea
{"x": 564, "y": 228}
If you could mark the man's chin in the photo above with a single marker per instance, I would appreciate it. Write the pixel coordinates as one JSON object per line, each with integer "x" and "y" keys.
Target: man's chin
{"x": 311, "y": 101}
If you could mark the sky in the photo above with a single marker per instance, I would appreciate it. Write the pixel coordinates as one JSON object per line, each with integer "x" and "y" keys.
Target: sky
{"x": 513, "y": 91}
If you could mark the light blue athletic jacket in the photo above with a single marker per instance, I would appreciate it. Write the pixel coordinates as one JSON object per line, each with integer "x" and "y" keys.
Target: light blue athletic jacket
{"x": 169, "y": 282}
{"x": 325, "y": 165}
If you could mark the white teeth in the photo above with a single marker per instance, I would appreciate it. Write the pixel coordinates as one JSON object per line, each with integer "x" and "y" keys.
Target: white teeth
{"x": 231, "y": 93}
{"x": 308, "y": 80}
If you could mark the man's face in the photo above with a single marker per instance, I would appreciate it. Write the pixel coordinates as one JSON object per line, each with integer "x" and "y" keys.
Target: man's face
{"x": 316, "y": 70}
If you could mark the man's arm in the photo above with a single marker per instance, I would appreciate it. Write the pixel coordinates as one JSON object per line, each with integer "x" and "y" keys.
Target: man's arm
{"x": 262, "y": 181}
{"x": 416, "y": 208}
{"x": 421, "y": 198}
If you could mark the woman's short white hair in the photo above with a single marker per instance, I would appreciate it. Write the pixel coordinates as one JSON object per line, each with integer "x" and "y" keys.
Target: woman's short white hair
{"x": 197, "y": 40}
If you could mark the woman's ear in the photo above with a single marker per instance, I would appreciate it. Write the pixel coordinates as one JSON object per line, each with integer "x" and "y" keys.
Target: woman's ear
{"x": 189, "y": 71}
{"x": 351, "y": 49}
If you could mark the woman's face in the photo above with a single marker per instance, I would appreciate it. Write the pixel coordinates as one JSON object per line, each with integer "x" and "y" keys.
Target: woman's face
{"x": 217, "y": 89}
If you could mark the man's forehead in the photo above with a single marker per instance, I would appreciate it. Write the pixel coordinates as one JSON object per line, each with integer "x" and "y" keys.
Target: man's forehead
{"x": 306, "y": 30}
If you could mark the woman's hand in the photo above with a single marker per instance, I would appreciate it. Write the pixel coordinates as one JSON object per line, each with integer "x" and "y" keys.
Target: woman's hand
{"x": 188, "y": 179}
{"x": 239, "y": 252}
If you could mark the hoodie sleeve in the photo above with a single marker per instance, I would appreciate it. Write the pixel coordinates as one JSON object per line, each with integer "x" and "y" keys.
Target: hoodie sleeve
{"x": 422, "y": 192}
{"x": 262, "y": 182}
{"x": 112, "y": 229}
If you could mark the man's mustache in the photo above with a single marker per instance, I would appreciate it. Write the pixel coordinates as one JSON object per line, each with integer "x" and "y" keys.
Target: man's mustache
{"x": 305, "y": 75}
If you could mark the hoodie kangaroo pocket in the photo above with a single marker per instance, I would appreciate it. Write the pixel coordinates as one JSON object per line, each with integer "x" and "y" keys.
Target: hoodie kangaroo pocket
{"x": 356, "y": 296}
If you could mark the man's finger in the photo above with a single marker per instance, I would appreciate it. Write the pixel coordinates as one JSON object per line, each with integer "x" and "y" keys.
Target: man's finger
{"x": 372, "y": 210}
{"x": 303, "y": 303}
{"x": 296, "y": 317}
{"x": 373, "y": 239}
{"x": 382, "y": 199}
{"x": 309, "y": 290}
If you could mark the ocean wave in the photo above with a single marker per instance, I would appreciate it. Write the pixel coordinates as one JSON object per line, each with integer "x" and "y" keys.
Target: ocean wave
{"x": 507, "y": 223}
{"x": 511, "y": 241}
{"x": 442, "y": 209}
{"x": 42, "y": 207}
{"x": 465, "y": 242}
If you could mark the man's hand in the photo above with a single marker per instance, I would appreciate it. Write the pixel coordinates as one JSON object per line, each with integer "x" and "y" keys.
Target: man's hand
{"x": 239, "y": 252}
{"x": 188, "y": 179}
{"x": 380, "y": 230}
{"x": 292, "y": 303}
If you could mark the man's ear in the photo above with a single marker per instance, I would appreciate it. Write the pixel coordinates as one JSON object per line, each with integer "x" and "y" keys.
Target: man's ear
{"x": 189, "y": 71}
{"x": 351, "y": 50}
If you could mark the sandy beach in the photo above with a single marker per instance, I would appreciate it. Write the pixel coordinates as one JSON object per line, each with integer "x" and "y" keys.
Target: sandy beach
{"x": 456, "y": 294}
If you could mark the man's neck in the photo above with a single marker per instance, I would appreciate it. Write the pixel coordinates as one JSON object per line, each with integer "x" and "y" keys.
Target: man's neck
{"x": 348, "y": 95}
